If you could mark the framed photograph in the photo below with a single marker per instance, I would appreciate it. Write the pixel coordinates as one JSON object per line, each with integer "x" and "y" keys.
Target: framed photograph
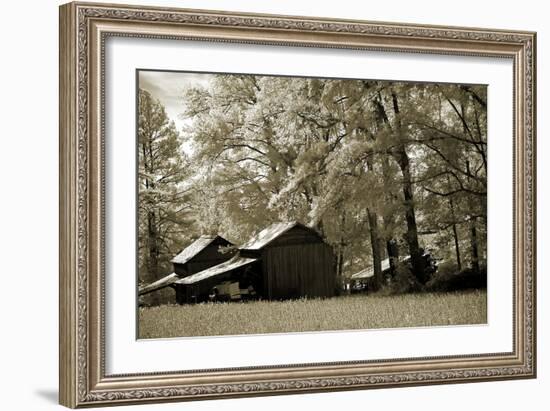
{"x": 259, "y": 204}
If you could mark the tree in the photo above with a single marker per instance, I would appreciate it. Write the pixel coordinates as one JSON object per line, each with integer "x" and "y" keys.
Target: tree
{"x": 374, "y": 166}
{"x": 162, "y": 195}
{"x": 454, "y": 129}
{"x": 389, "y": 109}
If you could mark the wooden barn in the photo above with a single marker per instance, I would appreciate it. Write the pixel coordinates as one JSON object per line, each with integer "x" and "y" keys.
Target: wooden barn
{"x": 283, "y": 261}
{"x": 204, "y": 252}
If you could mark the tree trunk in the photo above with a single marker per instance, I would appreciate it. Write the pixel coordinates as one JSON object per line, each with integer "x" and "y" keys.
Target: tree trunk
{"x": 339, "y": 270}
{"x": 474, "y": 245}
{"x": 412, "y": 230}
{"x": 457, "y": 248}
{"x": 340, "y": 262}
{"x": 341, "y": 249}
{"x": 393, "y": 254}
{"x": 455, "y": 234}
{"x": 152, "y": 262}
{"x": 376, "y": 243}
{"x": 402, "y": 158}
{"x": 153, "y": 251}
{"x": 392, "y": 247}
{"x": 376, "y": 249}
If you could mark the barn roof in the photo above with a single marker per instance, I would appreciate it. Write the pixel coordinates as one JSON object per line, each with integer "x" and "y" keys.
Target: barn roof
{"x": 369, "y": 271}
{"x": 269, "y": 234}
{"x": 157, "y": 285}
{"x": 229, "y": 265}
{"x": 194, "y": 248}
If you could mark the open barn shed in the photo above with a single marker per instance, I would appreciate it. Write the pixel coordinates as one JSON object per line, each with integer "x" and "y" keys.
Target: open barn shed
{"x": 206, "y": 251}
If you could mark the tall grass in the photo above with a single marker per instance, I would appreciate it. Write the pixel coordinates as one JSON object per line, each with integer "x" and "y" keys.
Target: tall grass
{"x": 339, "y": 313}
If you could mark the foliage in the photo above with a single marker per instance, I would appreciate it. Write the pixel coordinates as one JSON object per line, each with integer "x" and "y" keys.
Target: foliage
{"x": 366, "y": 163}
{"x": 458, "y": 280}
{"x": 163, "y": 202}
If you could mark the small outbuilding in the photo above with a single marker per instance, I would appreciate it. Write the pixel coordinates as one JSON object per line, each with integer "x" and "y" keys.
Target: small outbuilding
{"x": 362, "y": 280}
{"x": 206, "y": 251}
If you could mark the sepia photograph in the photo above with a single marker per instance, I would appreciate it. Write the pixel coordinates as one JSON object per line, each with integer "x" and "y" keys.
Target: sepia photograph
{"x": 266, "y": 203}
{"x": 279, "y": 204}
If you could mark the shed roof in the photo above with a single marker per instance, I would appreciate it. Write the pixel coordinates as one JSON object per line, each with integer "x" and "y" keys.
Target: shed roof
{"x": 369, "y": 271}
{"x": 157, "y": 285}
{"x": 269, "y": 234}
{"x": 229, "y": 265}
{"x": 194, "y": 248}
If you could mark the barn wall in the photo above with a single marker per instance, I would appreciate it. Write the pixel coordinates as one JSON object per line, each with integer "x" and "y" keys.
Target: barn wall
{"x": 299, "y": 270}
{"x": 209, "y": 257}
{"x": 181, "y": 270}
{"x": 181, "y": 294}
{"x": 211, "y": 253}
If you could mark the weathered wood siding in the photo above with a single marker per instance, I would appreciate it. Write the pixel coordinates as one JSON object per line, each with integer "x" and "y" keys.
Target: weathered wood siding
{"x": 209, "y": 257}
{"x": 299, "y": 264}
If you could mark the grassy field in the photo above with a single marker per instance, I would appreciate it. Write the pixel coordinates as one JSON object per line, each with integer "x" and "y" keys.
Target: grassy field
{"x": 339, "y": 313}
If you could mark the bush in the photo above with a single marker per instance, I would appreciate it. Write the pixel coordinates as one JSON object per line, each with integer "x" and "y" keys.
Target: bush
{"x": 448, "y": 279}
{"x": 159, "y": 297}
{"x": 404, "y": 281}
{"x": 445, "y": 269}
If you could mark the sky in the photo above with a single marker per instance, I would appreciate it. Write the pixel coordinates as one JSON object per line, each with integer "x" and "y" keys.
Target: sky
{"x": 167, "y": 86}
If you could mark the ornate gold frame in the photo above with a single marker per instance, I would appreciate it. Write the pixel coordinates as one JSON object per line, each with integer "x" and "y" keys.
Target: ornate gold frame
{"x": 83, "y": 30}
